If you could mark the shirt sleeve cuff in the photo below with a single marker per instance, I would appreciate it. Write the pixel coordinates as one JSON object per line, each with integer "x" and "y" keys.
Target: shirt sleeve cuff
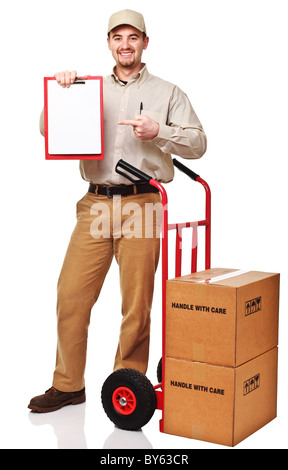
{"x": 164, "y": 134}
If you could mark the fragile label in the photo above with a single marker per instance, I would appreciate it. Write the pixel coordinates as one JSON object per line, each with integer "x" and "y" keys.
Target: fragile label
{"x": 252, "y": 306}
{"x": 251, "y": 384}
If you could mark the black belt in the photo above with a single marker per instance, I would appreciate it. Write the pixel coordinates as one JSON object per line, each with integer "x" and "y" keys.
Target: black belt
{"x": 122, "y": 190}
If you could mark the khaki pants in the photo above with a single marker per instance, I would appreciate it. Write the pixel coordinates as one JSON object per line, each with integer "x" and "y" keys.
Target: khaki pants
{"x": 106, "y": 227}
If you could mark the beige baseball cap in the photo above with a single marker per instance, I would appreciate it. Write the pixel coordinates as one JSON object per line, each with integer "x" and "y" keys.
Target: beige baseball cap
{"x": 130, "y": 17}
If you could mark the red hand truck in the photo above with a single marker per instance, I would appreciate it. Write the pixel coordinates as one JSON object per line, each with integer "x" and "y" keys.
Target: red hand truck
{"x": 128, "y": 397}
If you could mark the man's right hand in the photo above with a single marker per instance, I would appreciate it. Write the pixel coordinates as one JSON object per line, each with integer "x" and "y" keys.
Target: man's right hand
{"x": 65, "y": 79}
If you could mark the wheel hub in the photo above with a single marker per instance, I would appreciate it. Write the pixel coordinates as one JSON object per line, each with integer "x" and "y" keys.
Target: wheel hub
{"x": 124, "y": 400}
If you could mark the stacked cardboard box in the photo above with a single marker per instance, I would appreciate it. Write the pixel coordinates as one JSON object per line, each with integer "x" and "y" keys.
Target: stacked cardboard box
{"x": 221, "y": 354}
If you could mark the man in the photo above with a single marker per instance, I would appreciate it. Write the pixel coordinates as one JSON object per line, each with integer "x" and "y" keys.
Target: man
{"x": 146, "y": 119}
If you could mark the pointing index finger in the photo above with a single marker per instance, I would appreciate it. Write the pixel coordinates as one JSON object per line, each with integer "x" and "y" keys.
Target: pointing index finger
{"x": 129, "y": 123}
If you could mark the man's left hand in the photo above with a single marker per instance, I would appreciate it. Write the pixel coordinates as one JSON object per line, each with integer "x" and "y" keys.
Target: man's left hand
{"x": 144, "y": 127}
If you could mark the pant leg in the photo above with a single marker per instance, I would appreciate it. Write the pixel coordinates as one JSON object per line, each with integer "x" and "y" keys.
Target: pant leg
{"x": 85, "y": 266}
{"x": 137, "y": 257}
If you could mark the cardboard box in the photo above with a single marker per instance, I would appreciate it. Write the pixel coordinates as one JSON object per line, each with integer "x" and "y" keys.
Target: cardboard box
{"x": 222, "y": 316}
{"x": 223, "y": 405}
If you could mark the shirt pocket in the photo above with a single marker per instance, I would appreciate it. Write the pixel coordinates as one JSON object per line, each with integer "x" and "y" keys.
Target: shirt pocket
{"x": 158, "y": 117}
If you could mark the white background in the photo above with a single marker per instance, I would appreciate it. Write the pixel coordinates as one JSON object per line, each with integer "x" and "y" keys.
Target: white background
{"x": 230, "y": 57}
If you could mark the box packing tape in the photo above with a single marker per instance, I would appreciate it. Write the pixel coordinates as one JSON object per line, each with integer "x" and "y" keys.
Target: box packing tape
{"x": 224, "y": 276}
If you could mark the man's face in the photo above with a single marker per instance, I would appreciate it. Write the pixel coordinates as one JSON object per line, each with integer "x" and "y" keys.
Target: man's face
{"x": 127, "y": 44}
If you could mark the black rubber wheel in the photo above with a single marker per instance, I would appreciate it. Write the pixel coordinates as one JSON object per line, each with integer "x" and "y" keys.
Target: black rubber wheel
{"x": 128, "y": 399}
{"x": 159, "y": 371}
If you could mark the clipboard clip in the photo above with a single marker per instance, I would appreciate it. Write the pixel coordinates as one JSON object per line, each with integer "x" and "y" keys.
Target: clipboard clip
{"x": 79, "y": 81}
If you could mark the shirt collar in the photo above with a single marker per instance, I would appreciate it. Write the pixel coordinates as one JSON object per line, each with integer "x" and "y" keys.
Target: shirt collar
{"x": 140, "y": 77}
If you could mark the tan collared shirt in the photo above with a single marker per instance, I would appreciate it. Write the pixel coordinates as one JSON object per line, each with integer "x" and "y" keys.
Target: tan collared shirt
{"x": 180, "y": 132}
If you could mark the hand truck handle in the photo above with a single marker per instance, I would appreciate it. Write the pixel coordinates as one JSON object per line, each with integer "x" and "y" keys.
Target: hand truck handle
{"x": 143, "y": 176}
{"x": 131, "y": 169}
{"x": 185, "y": 169}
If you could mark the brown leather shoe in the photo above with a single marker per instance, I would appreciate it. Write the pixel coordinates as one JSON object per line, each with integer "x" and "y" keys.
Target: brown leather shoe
{"x": 53, "y": 400}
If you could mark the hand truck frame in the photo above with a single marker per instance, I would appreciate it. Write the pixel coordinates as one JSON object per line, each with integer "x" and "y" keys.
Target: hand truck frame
{"x": 128, "y": 397}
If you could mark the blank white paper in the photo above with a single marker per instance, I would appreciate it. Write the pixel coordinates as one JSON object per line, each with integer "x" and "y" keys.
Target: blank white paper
{"x": 74, "y": 118}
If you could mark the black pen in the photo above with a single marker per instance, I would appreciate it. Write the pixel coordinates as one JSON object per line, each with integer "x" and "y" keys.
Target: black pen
{"x": 141, "y": 107}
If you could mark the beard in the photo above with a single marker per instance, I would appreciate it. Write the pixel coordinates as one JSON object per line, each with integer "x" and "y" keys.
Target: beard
{"x": 126, "y": 62}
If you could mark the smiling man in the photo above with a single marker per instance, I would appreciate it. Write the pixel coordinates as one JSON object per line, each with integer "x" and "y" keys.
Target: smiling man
{"x": 146, "y": 119}
{"x": 127, "y": 45}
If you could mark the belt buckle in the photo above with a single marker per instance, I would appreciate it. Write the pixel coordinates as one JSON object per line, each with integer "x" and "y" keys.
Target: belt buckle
{"x": 108, "y": 188}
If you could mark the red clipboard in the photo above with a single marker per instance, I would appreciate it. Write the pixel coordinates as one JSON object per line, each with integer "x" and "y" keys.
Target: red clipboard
{"x": 54, "y": 127}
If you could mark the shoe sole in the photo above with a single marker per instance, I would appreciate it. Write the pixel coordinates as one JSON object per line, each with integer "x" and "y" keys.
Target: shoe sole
{"x": 73, "y": 401}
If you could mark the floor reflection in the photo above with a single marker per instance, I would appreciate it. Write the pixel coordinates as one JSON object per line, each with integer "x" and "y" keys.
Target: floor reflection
{"x": 68, "y": 425}
{"x": 121, "y": 439}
